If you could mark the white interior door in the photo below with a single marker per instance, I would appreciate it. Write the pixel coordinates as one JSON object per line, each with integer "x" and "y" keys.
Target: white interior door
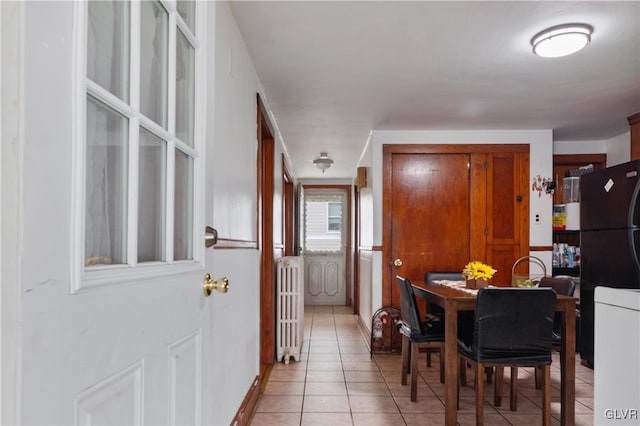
{"x": 325, "y": 246}
{"x": 115, "y": 328}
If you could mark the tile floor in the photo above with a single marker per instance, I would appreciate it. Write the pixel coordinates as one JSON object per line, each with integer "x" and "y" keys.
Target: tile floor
{"x": 336, "y": 383}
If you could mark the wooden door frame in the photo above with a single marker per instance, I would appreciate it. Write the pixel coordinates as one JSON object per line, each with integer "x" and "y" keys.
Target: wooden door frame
{"x": 348, "y": 279}
{"x": 288, "y": 200}
{"x": 388, "y": 150}
{"x": 266, "y": 191}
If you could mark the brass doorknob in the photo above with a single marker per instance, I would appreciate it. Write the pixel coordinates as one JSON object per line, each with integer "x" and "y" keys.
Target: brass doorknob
{"x": 221, "y": 285}
{"x": 397, "y": 262}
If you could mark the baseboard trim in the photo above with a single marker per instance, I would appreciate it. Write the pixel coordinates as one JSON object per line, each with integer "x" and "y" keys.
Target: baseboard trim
{"x": 243, "y": 415}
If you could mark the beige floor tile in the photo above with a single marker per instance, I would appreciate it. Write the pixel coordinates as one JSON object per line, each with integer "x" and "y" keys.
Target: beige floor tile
{"x": 326, "y": 419}
{"x": 373, "y": 404}
{"x": 325, "y": 376}
{"x": 326, "y": 404}
{"x": 378, "y": 419}
{"x": 366, "y": 388}
{"x": 423, "y": 404}
{"x": 288, "y": 376}
{"x": 360, "y": 366}
{"x": 493, "y": 419}
{"x": 324, "y": 357}
{"x": 325, "y": 388}
{"x": 324, "y": 366}
{"x": 363, "y": 376}
{"x": 284, "y": 388}
{"x": 422, "y": 419}
{"x": 275, "y": 419}
{"x": 279, "y": 404}
{"x": 355, "y": 357}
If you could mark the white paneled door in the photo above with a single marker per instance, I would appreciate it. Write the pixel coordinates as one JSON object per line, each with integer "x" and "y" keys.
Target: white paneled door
{"x": 324, "y": 243}
{"x": 109, "y": 324}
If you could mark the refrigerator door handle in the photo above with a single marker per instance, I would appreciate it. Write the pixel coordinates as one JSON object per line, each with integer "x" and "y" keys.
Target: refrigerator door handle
{"x": 633, "y": 203}
{"x": 633, "y": 227}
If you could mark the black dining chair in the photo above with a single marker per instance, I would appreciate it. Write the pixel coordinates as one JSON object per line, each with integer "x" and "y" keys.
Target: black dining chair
{"x": 512, "y": 328}
{"x": 435, "y": 314}
{"x": 564, "y": 286}
{"x": 416, "y": 335}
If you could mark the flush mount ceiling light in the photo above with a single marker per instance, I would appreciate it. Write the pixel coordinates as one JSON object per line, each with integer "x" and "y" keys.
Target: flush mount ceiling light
{"x": 561, "y": 40}
{"x": 323, "y": 162}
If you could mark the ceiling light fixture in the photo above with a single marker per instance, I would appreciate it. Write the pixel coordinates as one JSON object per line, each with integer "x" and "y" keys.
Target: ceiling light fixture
{"x": 323, "y": 162}
{"x": 561, "y": 40}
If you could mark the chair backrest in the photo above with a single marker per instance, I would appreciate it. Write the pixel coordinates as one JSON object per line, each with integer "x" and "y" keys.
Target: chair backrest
{"x": 408, "y": 306}
{"x": 514, "y": 323}
{"x": 440, "y": 275}
{"x": 564, "y": 286}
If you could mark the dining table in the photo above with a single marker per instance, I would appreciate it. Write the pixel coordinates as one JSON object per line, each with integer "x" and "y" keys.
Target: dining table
{"x": 454, "y": 297}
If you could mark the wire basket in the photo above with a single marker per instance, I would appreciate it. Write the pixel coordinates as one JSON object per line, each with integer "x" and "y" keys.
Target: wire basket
{"x": 528, "y": 280}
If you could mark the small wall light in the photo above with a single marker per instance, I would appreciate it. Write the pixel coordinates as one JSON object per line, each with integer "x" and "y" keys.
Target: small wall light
{"x": 323, "y": 162}
{"x": 561, "y": 40}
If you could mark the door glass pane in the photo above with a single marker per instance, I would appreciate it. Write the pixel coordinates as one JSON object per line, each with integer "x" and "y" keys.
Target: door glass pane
{"x": 154, "y": 45}
{"x": 183, "y": 210}
{"x": 106, "y": 185}
{"x": 334, "y": 217}
{"x": 108, "y": 46}
{"x": 187, "y": 10}
{"x": 323, "y": 223}
{"x": 151, "y": 198}
{"x": 185, "y": 95}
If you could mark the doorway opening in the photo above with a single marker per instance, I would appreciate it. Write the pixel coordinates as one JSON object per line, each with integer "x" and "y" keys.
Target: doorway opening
{"x": 326, "y": 244}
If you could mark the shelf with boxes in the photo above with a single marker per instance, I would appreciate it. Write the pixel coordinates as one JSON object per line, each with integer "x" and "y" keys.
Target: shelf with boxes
{"x": 565, "y": 258}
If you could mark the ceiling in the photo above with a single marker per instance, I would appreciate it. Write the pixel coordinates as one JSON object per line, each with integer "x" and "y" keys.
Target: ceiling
{"x": 334, "y": 71}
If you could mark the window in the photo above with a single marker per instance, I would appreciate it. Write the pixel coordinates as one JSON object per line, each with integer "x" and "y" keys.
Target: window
{"x": 140, "y": 139}
{"x": 323, "y": 222}
{"x": 334, "y": 217}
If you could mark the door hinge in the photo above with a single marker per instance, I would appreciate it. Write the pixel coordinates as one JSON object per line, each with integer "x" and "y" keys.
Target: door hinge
{"x": 486, "y": 231}
{"x": 486, "y": 164}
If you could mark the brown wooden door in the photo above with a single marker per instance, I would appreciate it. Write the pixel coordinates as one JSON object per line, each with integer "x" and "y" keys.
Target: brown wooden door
{"x": 444, "y": 205}
{"x": 507, "y": 212}
{"x": 430, "y": 221}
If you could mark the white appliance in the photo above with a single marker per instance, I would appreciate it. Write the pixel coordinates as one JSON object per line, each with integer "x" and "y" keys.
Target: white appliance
{"x": 616, "y": 356}
{"x": 290, "y": 308}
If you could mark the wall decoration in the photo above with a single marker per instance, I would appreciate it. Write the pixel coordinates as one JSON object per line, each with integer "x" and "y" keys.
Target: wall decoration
{"x": 543, "y": 184}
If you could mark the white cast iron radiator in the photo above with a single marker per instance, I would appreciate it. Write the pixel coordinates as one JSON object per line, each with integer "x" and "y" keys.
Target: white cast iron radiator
{"x": 290, "y": 307}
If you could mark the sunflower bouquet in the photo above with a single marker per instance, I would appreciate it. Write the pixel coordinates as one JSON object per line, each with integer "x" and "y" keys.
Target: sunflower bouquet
{"x": 477, "y": 270}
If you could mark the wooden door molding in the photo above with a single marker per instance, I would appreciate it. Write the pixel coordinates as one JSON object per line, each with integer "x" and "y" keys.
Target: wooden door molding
{"x": 266, "y": 190}
{"x": 288, "y": 200}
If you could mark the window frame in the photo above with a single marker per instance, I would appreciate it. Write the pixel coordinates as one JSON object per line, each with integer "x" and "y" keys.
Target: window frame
{"x": 83, "y": 278}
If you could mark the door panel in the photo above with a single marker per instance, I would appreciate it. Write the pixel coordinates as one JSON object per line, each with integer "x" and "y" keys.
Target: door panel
{"x": 325, "y": 246}
{"x": 430, "y": 220}
{"x": 507, "y": 212}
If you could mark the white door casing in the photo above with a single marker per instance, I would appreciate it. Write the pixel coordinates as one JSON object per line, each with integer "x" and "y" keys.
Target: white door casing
{"x": 324, "y": 250}
{"x": 128, "y": 351}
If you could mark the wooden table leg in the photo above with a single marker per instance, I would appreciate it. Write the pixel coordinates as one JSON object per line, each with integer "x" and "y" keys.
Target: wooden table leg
{"x": 451, "y": 362}
{"x": 568, "y": 367}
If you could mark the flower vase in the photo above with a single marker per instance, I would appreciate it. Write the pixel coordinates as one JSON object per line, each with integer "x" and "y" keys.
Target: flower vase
{"x": 476, "y": 283}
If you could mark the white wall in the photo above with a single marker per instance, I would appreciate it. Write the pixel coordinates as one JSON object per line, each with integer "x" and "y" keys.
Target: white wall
{"x": 617, "y": 148}
{"x": 232, "y": 151}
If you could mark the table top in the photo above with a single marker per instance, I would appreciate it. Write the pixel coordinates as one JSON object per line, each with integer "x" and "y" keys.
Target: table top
{"x": 454, "y": 290}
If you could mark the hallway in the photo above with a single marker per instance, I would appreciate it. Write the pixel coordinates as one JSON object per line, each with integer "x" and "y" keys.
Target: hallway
{"x": 336, "y": 383}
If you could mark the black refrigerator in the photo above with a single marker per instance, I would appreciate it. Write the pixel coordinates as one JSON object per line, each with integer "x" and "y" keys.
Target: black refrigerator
{"x": 609, "y": 239}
